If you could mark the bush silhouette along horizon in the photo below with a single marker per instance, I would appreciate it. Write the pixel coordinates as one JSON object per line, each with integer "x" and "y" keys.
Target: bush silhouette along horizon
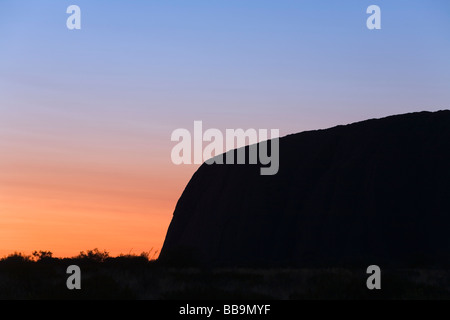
{"x": 132, "y": 276}
{"x": 94, "y": 255}
{"x": 40, "y": 275}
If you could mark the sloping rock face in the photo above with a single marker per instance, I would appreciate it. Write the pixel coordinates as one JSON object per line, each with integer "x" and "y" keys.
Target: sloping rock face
{"x": 372, "y": 192}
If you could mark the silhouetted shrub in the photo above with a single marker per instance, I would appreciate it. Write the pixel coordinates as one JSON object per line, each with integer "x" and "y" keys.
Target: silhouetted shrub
{"x": 94, "y": 255}
{"x": 42, "y": 255}
{"x": 17, "y": 257}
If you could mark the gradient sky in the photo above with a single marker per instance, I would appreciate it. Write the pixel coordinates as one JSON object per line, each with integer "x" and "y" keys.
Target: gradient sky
{"x": 86, "y": 115}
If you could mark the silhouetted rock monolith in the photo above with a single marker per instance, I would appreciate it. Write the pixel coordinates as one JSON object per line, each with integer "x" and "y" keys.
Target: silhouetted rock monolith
{"x": 372, "y": 192}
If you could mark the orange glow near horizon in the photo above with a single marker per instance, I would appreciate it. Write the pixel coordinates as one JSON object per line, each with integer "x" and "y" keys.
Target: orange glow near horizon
{"x": 64, "y": 200}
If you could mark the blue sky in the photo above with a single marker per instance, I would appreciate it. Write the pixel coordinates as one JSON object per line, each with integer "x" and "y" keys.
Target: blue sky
{"x": 296, "y": 63}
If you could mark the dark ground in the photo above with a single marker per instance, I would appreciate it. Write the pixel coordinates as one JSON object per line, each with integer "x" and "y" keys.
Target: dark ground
{"x": 137, "y": 277}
